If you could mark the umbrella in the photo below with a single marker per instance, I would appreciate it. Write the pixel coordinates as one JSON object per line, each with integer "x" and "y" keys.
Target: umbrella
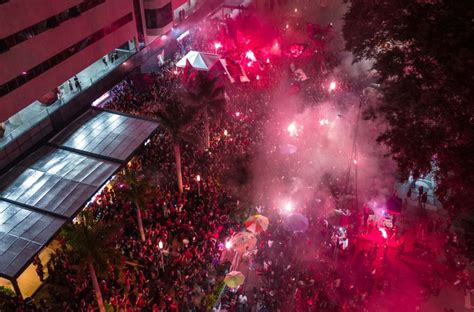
{"x": 243, "y": 242}
{"x": 234, "y": 279}
{"x": 296, "y": 223}
{"x": 256, "y": 224}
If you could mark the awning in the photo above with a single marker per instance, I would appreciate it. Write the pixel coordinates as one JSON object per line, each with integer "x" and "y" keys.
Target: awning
{"x": 55, "y": 181}
{"x": 105, "y": 134}
{"x": 22, "y": 235}
{"x": 47, "y": 189}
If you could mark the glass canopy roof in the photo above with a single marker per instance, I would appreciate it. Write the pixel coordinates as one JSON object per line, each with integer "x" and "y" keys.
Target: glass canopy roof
{"x": 47, "y": 188}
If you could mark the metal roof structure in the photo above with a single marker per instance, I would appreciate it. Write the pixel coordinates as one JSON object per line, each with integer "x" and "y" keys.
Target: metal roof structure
{"x": 49, "y": 187}
{"x": 23, "y": 233}
{"x": 106, "y": 134}
{"x": 55, "y": 182}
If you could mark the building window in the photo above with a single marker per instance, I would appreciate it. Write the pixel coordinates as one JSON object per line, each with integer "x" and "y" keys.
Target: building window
{"x": 159, "y": 18}
{"x": 50, "y": 22}
{"x": 61, "y": 56}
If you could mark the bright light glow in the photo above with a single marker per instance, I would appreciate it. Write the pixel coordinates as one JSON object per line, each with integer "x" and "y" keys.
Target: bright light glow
{"x": 292, "y": 129}
{"x": 355, "y": 161}
{"x": 249, "y": 64}
{"x": 160, "y": 245}
{"x": 323, "y": 122}
{"x": 147, "y": 142}
{"x": 125, "y": 63}
{"x": 287, "y": 26}
{"x": 228, "y": 245}
{"x": 268, "y": 61}
{"x": 175, "y": 72}
{"x": 217, "y": 45}
{"x": 101, "y": 99}
{"x": 163, "y": 37}
{"x": 296, "y": 10}
{"x": 250, "y": 55}
{"x": 225, "y": 132}
{"x": 237, "y": 114}
{"x": 288, "y": 208}
{"x": 258, "y": 77}
{"x": 332, "y": 86}
{"x": 384, "y": 232}
{"x": 24, "y": 73}
{"x": 198, "y": 178}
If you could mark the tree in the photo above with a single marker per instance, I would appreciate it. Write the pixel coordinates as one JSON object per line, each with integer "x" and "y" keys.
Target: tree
{"x": 424, "y": 68}
{"x": 178, "y": 118}
{"x": 204, "y": 92}
{"x": 137, "y": 187}
{"x": 91, "y": 244}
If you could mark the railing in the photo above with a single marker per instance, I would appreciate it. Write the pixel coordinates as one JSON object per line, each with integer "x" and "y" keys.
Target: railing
{"x": 45, "y": 113}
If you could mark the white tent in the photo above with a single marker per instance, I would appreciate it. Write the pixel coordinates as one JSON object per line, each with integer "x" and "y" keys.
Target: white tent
{"x": 199, "y": 60}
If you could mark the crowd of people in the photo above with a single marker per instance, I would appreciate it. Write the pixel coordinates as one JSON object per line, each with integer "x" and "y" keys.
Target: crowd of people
{"x": 178, "y": 266}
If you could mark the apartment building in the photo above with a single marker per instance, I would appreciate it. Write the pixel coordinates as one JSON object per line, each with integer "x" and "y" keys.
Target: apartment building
{"x": 52, "y": 50}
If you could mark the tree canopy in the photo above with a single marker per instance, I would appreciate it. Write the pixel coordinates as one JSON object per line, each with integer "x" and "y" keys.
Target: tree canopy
{"x": 206, "y": 92}
{"x": 91, "y": 240}
{"x": 176, "y": 116}
{"x": 423, "y": 56}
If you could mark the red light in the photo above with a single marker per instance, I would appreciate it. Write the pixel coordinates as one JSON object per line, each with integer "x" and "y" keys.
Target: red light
{"x": 258, "y": 77}
{"x": 268, "y": 60}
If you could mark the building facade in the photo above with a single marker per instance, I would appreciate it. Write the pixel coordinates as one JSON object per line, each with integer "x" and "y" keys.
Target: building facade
{"x": 52, "y": 50}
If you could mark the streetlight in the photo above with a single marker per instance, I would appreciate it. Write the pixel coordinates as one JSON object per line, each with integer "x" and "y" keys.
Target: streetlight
{"x": 198, "y": 179}
{"x": 162, "y": 262}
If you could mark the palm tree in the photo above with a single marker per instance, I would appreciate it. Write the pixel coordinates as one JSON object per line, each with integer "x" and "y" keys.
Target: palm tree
{"x": 136, "y": 189}
{"x": 202, "y": 90}
{"x": 178, "y": 118}
{"x": 91, "y": 244}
